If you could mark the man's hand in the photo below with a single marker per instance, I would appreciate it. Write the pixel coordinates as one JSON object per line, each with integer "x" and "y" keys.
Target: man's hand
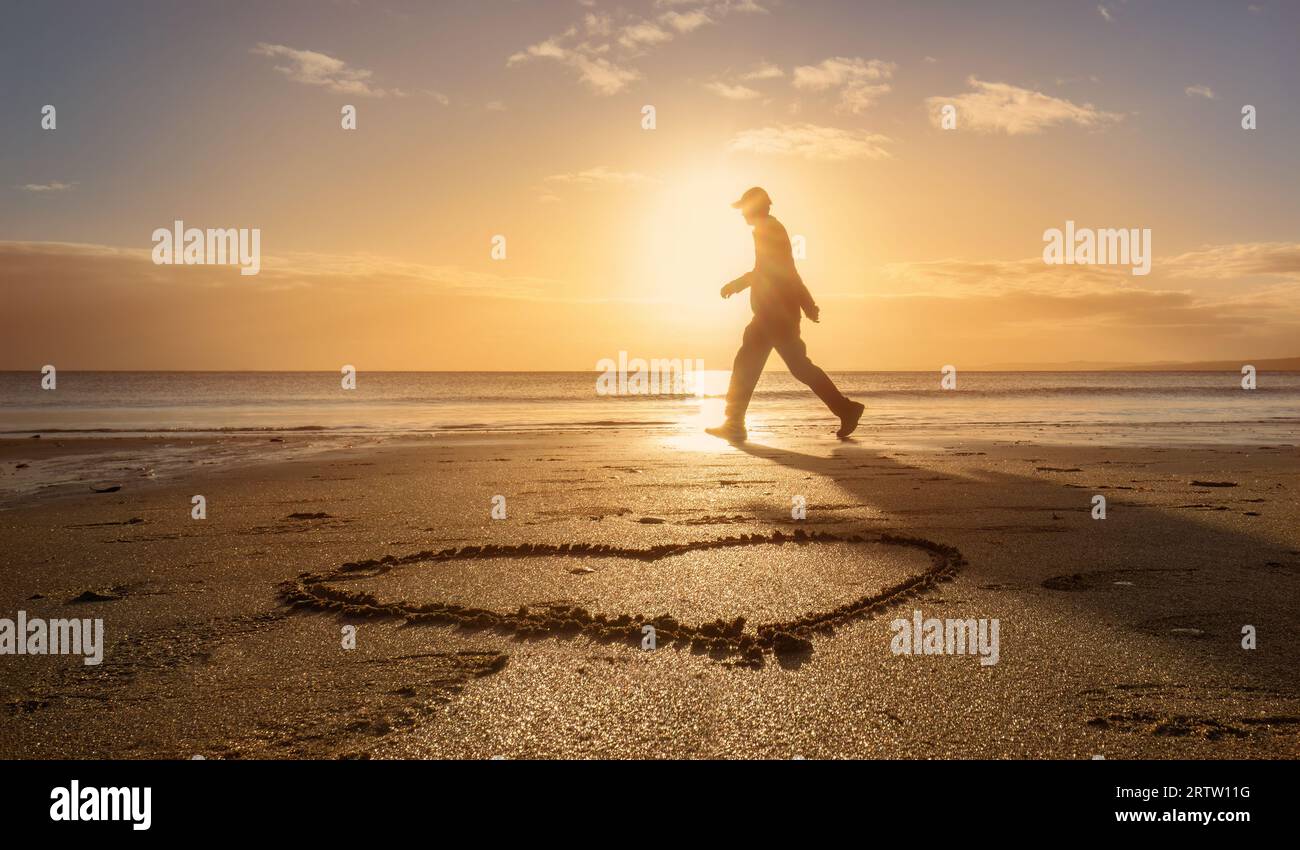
{"x": 740, "y": 284}
{"x": 813, "y": 313}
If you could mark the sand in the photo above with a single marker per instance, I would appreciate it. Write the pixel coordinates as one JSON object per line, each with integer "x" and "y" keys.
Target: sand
{"x": 522, "y": 637}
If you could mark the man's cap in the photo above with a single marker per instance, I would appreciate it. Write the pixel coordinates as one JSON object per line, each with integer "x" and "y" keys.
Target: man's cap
{"x": 754, "y": 197}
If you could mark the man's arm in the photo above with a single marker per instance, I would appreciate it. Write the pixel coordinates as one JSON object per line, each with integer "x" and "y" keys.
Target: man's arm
{"x": 738, "y": 285}
{"x": 805, "y": 300}
{"x": 773, "y": 256}
{"x": 743, "y": 282}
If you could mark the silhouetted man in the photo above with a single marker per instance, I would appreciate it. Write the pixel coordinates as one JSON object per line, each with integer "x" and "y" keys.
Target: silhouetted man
{"x": 776, "y": 294}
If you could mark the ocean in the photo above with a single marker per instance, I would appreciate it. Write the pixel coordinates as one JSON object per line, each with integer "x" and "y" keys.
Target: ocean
{"x": 148, "y": 403}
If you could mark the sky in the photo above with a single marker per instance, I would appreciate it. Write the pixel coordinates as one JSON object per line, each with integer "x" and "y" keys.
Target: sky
{"x": 525, "y": 119}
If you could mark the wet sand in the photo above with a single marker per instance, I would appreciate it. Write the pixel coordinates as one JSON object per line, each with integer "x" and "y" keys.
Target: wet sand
{"x": 522, "y": 637}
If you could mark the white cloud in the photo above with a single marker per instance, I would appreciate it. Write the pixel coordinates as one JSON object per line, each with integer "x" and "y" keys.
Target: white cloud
{"x": 1105, "y": 13}
{"x": 1200, "y": 91}
{"x": 764, "y": 71}
{"x": 52, "y": 186}
{"x": 861, "y": 82}
{"x": 642, "y": 34}
{"x": 811, "y": 141}
{"x": 857, "y": 98}
{"x": 603, "y": 47}
{"x": 132, "y": 268}
{"x": 603, "y": 76}
{"x": 597, "y": 72}
{"x": 1004, "y": 108}
{"x": 318, "y": 69}
{"x": 1238, "y": 260}
{"x": 731, "y": 92}
{"x": 719, "y": 7}
{"x": 840, "y": 70}
{"x": 953, "y": 277}
{"x": 686, "y": 21}
{"x": 600, "y": 176}
{"x": 1275, "y": 262}
{"x": 548, "y": 49}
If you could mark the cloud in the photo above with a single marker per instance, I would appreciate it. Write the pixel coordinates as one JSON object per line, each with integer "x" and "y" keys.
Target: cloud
{"x": 861, "y": 82}
{"x": 1037, "y": 312}
{"x": 318, "y": 69}
{"x": 688, "y": 21}
{"x": 101, "y": 307}
{"x": 1200, "y": 91}
{"x": 764, "y": 71}
{"x": 52, "y": 186}
{"x": 603, "y": 47}
{"x": 548, "y": 49}
{"x": 951, "y": 277}
{"x": 1105, "y": 13}
{"x": 600, "y": 176}
{"x": 737, "y": 90}
{"x": 840, "y": 70}
{"x": 1236, "y": 261}
{"x": 598, "y": 73}
{"x": 1240, "y": 262}
{"x": 1070, "y": 312}
{"x": 731, "y": 92}
{"x": 718, "y": 7}
{"x": 857, "y": 98}
{"x": 603, "y": 76}
{"x": 98, "y": 306}
{"x": 642, "y": 34}
{"x": 811, "y": 142}
{"x": 101, "y": 265}
{"x": 1004, "y": 108}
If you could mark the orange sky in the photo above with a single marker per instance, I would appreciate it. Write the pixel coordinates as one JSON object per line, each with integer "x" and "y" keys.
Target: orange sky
{"x": 923, "y": 244}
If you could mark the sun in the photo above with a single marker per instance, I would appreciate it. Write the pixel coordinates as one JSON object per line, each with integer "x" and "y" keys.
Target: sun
{"x": 691, "y": 241}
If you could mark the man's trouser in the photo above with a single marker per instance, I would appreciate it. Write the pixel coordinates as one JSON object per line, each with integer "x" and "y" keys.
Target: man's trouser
{"x": 761, "y": 336}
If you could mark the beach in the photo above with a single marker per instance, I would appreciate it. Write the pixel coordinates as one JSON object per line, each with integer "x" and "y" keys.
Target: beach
{"x": 523, "y": 637}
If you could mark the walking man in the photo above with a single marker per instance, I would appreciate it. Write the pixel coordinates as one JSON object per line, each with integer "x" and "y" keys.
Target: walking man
{"x": 777, "y": 295}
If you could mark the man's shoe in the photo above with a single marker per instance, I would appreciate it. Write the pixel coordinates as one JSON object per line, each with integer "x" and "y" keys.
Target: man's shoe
{"x": 849, "y": 420}
{"x": 732, "y": 432}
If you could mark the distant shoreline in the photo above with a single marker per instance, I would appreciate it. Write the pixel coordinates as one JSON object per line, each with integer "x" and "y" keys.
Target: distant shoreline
{"x": 1286, "y": 365}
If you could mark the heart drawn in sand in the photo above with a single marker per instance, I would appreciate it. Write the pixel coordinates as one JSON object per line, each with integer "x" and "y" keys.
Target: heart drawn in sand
{"x": 724, "y": 636}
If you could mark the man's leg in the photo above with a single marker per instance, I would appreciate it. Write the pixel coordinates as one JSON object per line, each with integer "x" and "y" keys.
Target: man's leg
{"x": 794, "y": 352}
{"x": 745, "y": 371}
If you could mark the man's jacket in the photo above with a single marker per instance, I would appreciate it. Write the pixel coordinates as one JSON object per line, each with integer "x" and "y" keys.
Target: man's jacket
{"x": 775, "y": 288}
